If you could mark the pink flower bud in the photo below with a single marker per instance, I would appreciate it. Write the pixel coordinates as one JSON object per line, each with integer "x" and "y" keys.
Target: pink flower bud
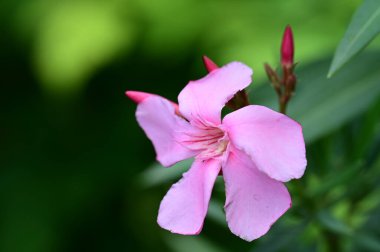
{"x": 287, "y": 47}
{"x": 209, "y": 64}
{"x": 138, "y": 97}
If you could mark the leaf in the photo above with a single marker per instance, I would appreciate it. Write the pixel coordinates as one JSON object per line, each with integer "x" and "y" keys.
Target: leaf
{"x": 364, "y": 27}
{"x": 331, "y": 182}
{"x": 216, "y": 213}
{"x": 190, "y": 243}
{"x": 369, "y": 242}
{"x": 333, "y": 224}
{"x": 367, "y": 133}
{"x": 280, "y": 238}
{"x": 322, "y": 105}
{"x": 366, "y": 238}
{"x": 157, "y": 174}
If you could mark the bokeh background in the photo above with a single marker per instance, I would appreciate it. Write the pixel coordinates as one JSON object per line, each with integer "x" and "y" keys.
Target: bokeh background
{"x": 78, "y": 174}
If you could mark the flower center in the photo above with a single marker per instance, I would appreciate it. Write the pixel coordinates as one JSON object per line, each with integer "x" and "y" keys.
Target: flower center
{"x": 211, "y": 142}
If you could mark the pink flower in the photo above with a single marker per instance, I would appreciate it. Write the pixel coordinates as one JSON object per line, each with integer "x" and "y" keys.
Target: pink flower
{"x": 256, "y": 148}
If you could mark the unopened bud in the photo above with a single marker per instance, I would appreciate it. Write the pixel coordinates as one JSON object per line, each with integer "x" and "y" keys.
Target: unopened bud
{"x": 209, "y": 64}
{"x": 287, "y": 48}
{"x": 139, "y": 97}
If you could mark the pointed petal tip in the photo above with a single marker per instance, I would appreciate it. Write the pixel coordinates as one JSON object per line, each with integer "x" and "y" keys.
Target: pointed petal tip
{"x": 209, "y": 64}
{"x": 288, "y": 32}
{"x": 288, "y": 28}
{"x": 136, "y": 96}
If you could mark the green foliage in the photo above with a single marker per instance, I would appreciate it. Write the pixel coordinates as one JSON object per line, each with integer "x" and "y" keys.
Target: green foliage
{"x": 364, "y": 27}
{"x": 72, "y": 40}
{"x": 75, "y": 39}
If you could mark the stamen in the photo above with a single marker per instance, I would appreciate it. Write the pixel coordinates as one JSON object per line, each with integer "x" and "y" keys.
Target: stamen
{"x": 211, "y": 142}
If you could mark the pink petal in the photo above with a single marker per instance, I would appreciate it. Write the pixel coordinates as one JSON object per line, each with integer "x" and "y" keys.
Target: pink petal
{"x": 273, "y": 141}
{"x": 184, "y": 207}
{"x": 201, "y": 101}
{"x": 157, "y": 118}
{"x": 253, "y": 200}
{"x": 138, "y": 97}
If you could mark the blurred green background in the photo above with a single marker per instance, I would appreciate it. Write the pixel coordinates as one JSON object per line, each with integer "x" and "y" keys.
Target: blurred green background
{"x": 78, "y": 174}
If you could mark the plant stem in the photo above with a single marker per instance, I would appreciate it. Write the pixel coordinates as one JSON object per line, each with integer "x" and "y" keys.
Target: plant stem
{"x": 282, "y": 106}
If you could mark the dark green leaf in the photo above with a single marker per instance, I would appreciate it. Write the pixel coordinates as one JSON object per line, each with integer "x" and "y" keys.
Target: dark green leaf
{"x": 333, "y": 224}
{"x": 216, "y": 213}
{"x": 364, "y": 26}
{"x": 367, "y": 241}
{"x": 343, "y": 177}
{"x": 367, "y": 237}
{"x": 279, "y": 238}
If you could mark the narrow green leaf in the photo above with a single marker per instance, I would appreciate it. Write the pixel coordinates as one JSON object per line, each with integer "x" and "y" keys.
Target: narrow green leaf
{"x": 364, "y": 27}
{"x": 368, "y": 132}
{"x": 369, "y": 242}
{"x": 333, "y": 224}
{"x": 367, "y": 238}
{"x": 331, "y": 182}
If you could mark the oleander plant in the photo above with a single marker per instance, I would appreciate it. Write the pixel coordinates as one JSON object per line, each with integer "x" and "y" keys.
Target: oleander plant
{"x": 188, "y": 125}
